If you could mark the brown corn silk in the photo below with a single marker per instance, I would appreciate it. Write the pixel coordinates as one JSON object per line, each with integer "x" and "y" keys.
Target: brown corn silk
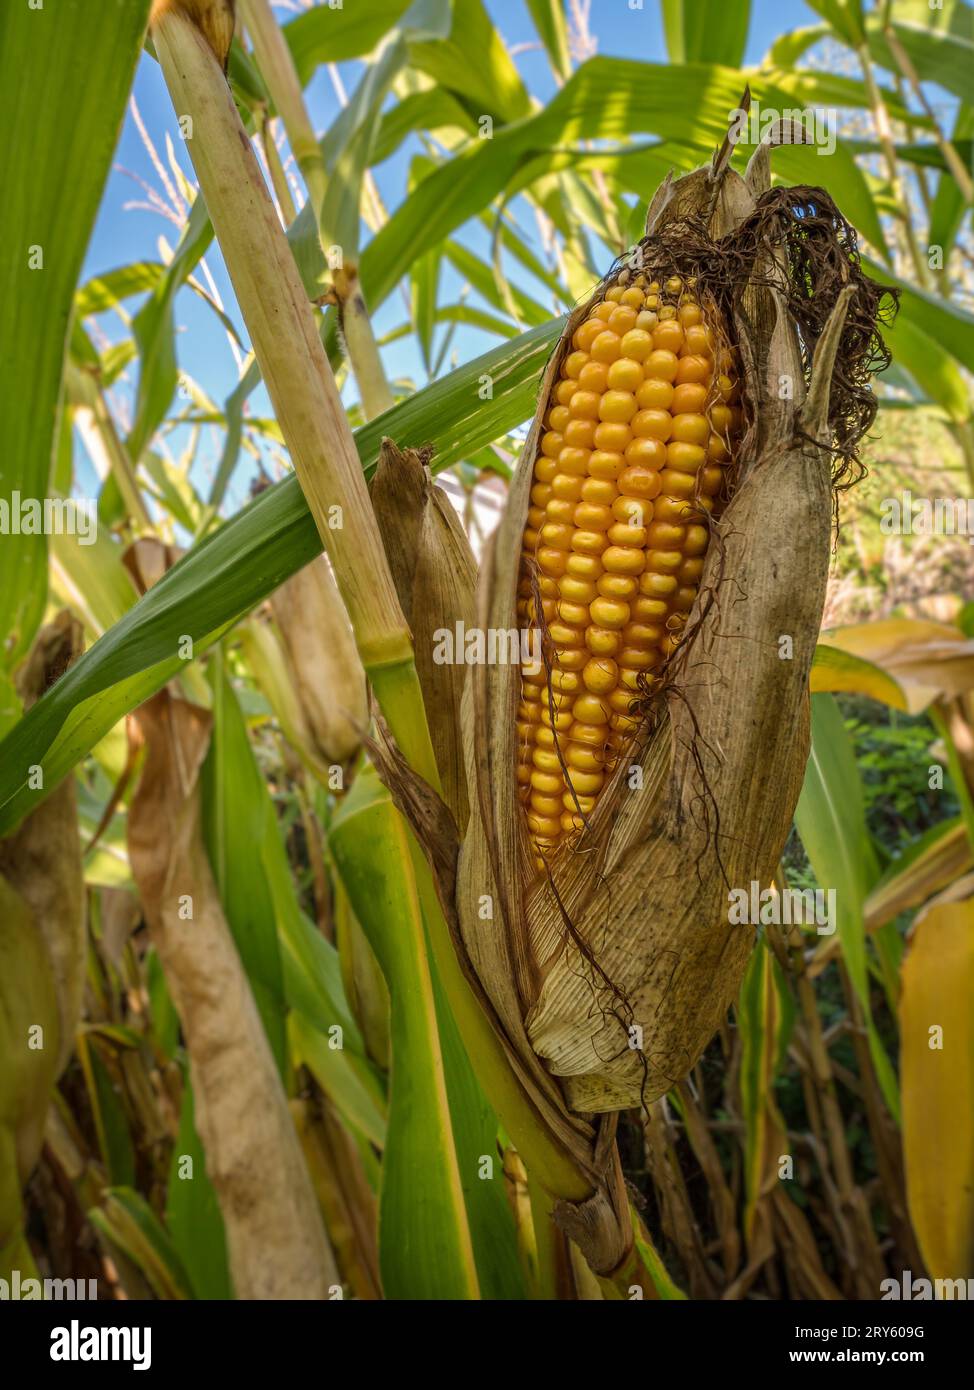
{"x": 606, "y": 950}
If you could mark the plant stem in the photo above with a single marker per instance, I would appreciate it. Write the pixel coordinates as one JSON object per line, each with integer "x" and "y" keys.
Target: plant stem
{"x": 276, "y": 170}
{"x": 302, "y": 389}
{"x": 87, "y": 392}
{"x": 285, "y": 339}
{"x": 958, "y": 172}
{"x": 281, "y": 78}
{"x": 279, "y": 73}
{"x": 884, "y": 134}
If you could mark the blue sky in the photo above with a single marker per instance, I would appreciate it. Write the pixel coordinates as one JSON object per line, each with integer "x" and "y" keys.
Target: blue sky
{"x": 124, "y": 234}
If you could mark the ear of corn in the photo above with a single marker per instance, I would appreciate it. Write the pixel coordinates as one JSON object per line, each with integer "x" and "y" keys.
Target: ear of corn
{"x": 655, "y": 755}
{"x": 639, "y": 430}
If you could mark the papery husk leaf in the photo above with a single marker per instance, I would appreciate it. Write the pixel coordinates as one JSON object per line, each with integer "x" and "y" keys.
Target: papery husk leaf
{"x": 435, "y": 575}
{"x": 322, "y": 662}
{"x": 42, "y": 956}
{"x": 41, "y": 861}
{"x": 214, "y": 18}
{"x": 147, "y": 560}
{"x": 28, "y": 1001}
{"x": 276, "y": 1243}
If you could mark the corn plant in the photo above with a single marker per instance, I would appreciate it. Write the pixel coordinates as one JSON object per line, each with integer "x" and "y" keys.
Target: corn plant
{"x": 395, "y": 911}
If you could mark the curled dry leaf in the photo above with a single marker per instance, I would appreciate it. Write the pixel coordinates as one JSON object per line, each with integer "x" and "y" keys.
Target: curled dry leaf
{"x": 42, "y": 954}
{"x": 41, "y": 860}
{"x": 276, "y": 1242}
{"x": 28, "y": 1037}
{"x": 435, "y": 575}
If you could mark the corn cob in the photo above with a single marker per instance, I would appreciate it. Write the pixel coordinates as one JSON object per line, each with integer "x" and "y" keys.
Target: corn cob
{"x": 639, "y": 431}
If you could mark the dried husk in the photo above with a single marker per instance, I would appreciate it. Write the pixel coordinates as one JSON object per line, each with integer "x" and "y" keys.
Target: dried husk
{"x": 435, "y": 575}
{"x": 28, "y": 1001}
{"x": 323, "y": 664}
{"x": 147, "y": 560}
{"x": 41, "y": 860}
{"x": 629, "y": 930}
{"x": 42, "y": 955}
{"x": 276, "y": 1242}
{"x": 215, "y": 19}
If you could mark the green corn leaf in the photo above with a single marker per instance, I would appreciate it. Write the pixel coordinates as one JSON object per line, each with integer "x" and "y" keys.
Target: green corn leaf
{"x": 288, "y": 963}
{"x": 328, "y": 35}
{"x": 606, "y": 99}
{"x": 765, "y": 1016}
{"x": 949, "y": 207}
{"x": 67, "y": 80}
{"x": 435, "y": 111}
{"x": 831, "y": 821}
{"x": 222, "y": 577}
{"x": 193, "y": 1216}
{"x": 845, "y": 18}
{"x": 548, "y": 17}
{"x": 935, "y": 372}
{"x": 786, "y": 50}
{"x": 108, "y": 1114}
{"x": 938, "y": 39}
{"x": 471, "y": 61}
{"x": 425, "y": 1245}
{"x": 155, "y": 332}
{"x": 108, "y": 291}
{"x": 129, "y": 1225}
{"x": 947, "y": 324}
{"x": 239, "y": 833}
{"x": 706, "y": 31}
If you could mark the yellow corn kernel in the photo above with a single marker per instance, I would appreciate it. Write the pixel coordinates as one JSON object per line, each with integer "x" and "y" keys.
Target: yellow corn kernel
{"x": 639, "y": 429}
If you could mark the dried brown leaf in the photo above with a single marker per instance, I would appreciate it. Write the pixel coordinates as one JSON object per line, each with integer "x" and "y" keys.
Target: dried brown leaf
{"x": 276, "y": 1242}
{"x": 322, "y": 662}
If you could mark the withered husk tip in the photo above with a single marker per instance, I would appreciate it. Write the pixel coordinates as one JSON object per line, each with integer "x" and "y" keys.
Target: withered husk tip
{"x": 215, "y": 20}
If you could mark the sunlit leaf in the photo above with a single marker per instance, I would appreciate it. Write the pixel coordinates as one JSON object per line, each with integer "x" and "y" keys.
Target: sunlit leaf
{"x": 67, "y": 81}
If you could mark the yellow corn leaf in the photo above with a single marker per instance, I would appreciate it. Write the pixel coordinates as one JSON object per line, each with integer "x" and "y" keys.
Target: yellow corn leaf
{"x": 834, "y": 671}
{"x": 925, "y": 659}
{"x": 937, "y": 860}
{"x": 937, "y": 1069}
